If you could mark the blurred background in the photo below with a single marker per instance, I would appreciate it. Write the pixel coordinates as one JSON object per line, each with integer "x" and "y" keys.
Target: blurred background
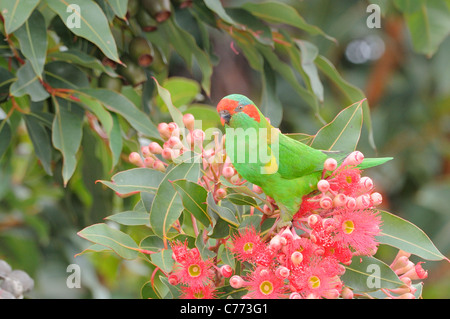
{"x": 409, "y": 97}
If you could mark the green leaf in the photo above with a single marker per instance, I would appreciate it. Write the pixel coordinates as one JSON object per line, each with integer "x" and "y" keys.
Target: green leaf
{"x": 223, "y": 212}
{"x": 343, "y": 132}
{"x": 6, "y": 79}
{"x": 406, "y": 236}
{"x": 16, "y": 12}
{"x": 32, "y": 36}
{"x": 83, "y": 59}
{"x": 251, "y": 25}
{"x": 59, "y": 74}
{"x": 367, "y": 274}
{"x": 309, "y": 53}
{"x": 118, "y": 103}
{"x": 121, "y": 243}
{"x": 152, "y": 242}
{"x": 5, "y": 137}
{"x": 166, "y": 97}
{"x": 216, "y": 6}
{"x": 351, "y": 92}
{"x": 193, "y": 197}
{"x": 110, "y": 124}
{"x": 428, "y": 26}
{"x": 119, "y": 7}
{"x": 186, "y": 46}
{"x": 28, "y": 83}
{"x": 163, "y": 259}
{"x": 240, "y": 199}
{"x": 93, "y": 24}
{"x": 271, "y": 105}
{"x": 206, "y": 114}
{"x": 130, "y": 218}
{"x": 182, "y": 90}
{"x": 67, "y": 131}
{"x": 278, "y": 12}
{"x": 167, "y": 205}
{"x": 135, "y": 180}
{"x": 286, "y": 71}
{"x": 372, "y": 162}
{"x": 41, "y": 141}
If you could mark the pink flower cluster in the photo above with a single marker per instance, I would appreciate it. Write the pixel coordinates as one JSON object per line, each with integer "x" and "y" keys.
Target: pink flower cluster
{"x": 198, "y": 277}
{"x": 332, "y": 225}
{"x": 176, "y": 142}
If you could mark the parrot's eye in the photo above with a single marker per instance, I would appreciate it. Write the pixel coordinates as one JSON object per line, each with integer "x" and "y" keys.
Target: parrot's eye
{"x": 239, "y": 108}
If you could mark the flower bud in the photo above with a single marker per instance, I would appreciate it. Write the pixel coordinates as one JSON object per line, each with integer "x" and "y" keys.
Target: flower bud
{"x": 198, "y": 135}
{"x": 228, "y": 172}
{"x": 173, "y": 279}
{"x": 163, "y": 129}
{"x": 366, "y": 182}
{"x": 363, "y": 201}
{"x": 355, "y": 158}
{"x": 340, "y": 200}
{"x": 135, "y": 159}
{"x": 220, "y": 193}
{"x": 347, "y": 293}
{"x": 167, "y": 153}
{"x": 406, "y": 296}
{"x": 267, "y": 209}
{"x": 296, "y": 258}
{"x": 282, "y": 272}
{"x": 404, "y": 269}
{"x": 146, "y": 151}
{"x": 174, "y": 142}
{"x": 237, "y": 282}
{"x": 376, "y": 198}
{"x": 155, "y": 148}
{"x": 295, "y": 295}
{"x": 400, "y": 262}
{"x": 159, "y": 165}
{"x": 351, "y": 203}
{"x": 326, "y": 202}
{"x": 148, "y": 162}
{"x": 235, "y": 179}
{"x": 275, "y": 243}
{"x": 331, "y": 294}
{"x": 226, "y": 271}
{"x": 257, "y": 189}
{"x": 330, "y": 164}
{"x": 313, "y": 219}
{"x": 188, "y": 120}
{"x": 323, "y": 185}
{"x": 417, "y": 272}
{"x": 287, "y": 234}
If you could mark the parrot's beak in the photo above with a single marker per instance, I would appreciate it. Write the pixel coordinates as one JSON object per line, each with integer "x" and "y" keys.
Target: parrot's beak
{"x": 225, "y": 117}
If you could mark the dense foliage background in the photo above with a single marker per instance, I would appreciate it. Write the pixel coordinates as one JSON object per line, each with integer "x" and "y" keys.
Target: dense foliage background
{"x": 53, "y": 148}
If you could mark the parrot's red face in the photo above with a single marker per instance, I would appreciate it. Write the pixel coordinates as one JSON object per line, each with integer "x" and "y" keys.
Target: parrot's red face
{"x": 228, "y": 107}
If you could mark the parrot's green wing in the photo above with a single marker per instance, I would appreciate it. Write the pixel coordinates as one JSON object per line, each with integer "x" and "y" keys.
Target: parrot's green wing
{"x": 296, "y": 159}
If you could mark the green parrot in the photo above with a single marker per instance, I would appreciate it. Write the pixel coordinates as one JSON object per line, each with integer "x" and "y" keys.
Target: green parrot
{"x": 284, "y": 168}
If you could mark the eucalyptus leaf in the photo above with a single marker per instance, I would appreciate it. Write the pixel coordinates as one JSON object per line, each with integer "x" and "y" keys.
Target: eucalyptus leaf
{"x": 367, "y": 273}
{"x": 402, "y": 234}
{"x": 86, "y": 19}
{"x": 135, "y": 180}
{"x": 16, "y": 12}
{"x": 121, "y": 243}
{"x": 32, "y": 36}
{"x": 167, "y": 205}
